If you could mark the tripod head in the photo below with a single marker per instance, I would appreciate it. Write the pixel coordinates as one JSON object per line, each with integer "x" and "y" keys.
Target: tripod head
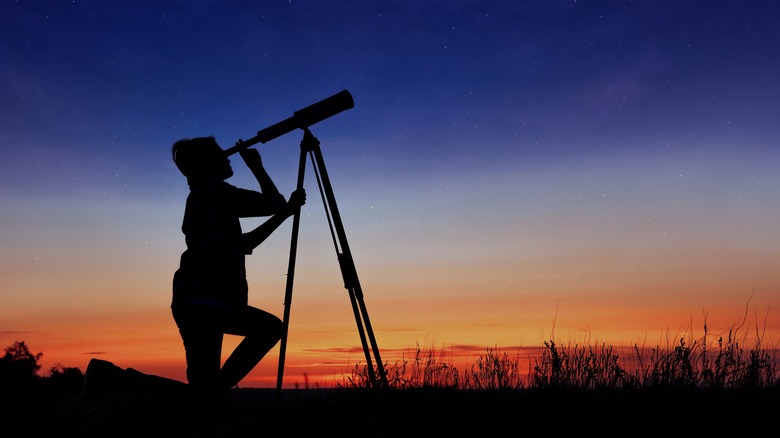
{"x": 300, "y": 119}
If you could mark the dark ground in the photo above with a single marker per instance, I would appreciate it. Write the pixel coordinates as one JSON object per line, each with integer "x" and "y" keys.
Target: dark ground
{"x": 411, "y": 412}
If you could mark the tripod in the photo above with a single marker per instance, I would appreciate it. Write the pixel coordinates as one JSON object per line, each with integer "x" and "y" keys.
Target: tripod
{"x": 311, "y": 146}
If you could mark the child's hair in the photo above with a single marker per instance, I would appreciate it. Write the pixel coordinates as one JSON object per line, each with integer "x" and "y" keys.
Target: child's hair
{"x": 195, "y": 156}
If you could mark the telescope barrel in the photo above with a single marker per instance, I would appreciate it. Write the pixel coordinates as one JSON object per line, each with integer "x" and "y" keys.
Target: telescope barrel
{"x": 302, "y": 119}
{"x": 323, "y": 109}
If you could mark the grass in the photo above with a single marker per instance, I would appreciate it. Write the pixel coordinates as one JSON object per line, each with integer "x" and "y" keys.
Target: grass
{"x": 704, "y": 363}
{"x": 719, "y": 385}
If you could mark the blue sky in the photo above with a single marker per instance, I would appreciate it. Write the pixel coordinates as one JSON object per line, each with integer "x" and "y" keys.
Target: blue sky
{"x": 529, "y": 154}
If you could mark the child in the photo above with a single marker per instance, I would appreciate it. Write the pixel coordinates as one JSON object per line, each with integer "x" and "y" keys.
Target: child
{"x": 210, "y": 295}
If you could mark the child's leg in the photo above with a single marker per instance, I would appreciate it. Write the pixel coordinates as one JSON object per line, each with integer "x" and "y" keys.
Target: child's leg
{"x": 202, "y": 337}
{"x": 261, "y": 331}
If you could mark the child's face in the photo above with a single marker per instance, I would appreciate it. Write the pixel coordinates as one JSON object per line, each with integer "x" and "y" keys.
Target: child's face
{"x": 221, "y": 163}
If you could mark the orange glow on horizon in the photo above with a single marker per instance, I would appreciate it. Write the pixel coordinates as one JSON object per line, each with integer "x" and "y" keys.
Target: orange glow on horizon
{"x": 322, "y": 353}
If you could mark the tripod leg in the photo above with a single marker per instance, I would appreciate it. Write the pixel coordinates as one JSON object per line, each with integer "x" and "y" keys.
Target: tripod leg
{"x": 346, "y": 264}
{"x": 290, "y": 273}
{"x": 349, "y": 273}
{"x": 352, "y": 284}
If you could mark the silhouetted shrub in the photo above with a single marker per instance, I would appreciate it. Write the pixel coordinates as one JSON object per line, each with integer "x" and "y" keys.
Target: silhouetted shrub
{"x": 18, "y": 370}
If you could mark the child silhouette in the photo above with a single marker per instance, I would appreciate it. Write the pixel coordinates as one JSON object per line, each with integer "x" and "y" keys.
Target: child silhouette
{"x": 210, "y": 293}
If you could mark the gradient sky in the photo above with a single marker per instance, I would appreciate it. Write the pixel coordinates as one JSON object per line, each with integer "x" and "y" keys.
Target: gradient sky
{"x": 511, "y": 172}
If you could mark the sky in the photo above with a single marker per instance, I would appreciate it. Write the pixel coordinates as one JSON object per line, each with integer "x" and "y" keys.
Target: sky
{"x": 511, "y": 172}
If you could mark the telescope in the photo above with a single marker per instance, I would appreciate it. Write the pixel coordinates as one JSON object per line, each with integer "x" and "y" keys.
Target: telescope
{"x": 300, "y": 119}
{"x": 303, "y": 119}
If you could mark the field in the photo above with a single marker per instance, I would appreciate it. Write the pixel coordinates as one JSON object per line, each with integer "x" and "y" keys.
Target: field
{"x": 696, "y": 387}
{"x": 409, "y": 412}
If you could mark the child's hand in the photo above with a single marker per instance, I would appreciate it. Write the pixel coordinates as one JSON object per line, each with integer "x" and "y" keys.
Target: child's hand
{"x": 251, "y": 158}
{"x": 297, "y": 198}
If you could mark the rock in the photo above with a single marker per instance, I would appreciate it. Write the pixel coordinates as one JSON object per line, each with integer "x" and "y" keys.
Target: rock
{"x": 104, "y": 380}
